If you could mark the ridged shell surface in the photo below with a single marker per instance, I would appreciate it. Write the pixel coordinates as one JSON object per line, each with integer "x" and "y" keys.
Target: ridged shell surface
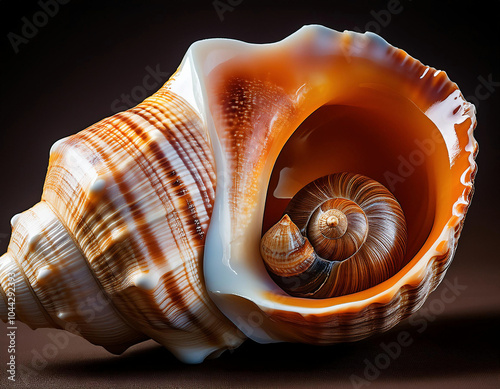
{"x": 115, "y": 245}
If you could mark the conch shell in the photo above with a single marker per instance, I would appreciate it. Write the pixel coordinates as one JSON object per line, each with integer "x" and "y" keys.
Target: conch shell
{"x": 159, "y": 211}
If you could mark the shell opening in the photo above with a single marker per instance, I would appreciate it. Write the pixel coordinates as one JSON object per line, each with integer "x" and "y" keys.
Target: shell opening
{"x": 382, "y": 136}
{"x": 369, "y": 139}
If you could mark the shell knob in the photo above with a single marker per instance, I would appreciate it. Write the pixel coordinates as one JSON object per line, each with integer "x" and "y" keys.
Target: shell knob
{"x": 340, "y": 234}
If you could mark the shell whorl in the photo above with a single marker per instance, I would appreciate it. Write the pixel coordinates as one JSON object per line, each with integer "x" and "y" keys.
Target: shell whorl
{"x": 341, "y": 234}
{"x": 337, "y": 228}
{"x": 115, "y": 246}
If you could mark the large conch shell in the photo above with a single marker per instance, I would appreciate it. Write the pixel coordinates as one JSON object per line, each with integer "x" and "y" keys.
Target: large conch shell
{"x": 159, "y": 211}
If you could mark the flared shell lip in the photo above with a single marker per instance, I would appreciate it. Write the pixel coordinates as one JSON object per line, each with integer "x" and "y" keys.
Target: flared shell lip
{"x": 443, "y": 112}
{"x": 416, "y": 270}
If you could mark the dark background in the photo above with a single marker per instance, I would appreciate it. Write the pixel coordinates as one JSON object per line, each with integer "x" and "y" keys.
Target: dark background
{"x": 70, "y": 75}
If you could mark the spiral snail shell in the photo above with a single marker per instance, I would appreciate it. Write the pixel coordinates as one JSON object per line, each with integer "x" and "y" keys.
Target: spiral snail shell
{"x": 341, "y": 234}
{"x": 160, "y": 211}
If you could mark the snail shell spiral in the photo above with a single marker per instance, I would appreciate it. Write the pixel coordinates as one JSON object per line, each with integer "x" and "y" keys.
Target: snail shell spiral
{"x": 341, "y": 234}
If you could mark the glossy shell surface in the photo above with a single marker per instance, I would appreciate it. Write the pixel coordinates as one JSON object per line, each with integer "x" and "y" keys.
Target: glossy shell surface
{"x": 376, "y": 95}
{"x": 159, "y": 210}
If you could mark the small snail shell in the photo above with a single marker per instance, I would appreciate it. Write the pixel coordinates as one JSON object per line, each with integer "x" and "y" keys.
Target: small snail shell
{"x": 341, "y": 234}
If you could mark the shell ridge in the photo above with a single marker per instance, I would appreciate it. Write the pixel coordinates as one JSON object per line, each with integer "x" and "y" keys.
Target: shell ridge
{"x": 40, "y": 306}
{"x": 91, "y": 271}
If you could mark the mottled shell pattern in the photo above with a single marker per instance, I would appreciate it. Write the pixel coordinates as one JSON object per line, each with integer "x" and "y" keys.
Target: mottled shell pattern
{"x": 159, "y": 211}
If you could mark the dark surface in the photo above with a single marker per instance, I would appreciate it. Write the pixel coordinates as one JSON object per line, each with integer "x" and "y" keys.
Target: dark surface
{"x": 72, "y": 72}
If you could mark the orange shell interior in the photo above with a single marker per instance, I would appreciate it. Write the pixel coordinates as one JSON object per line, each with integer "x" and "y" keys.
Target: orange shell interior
{"x": 392, "y": 119}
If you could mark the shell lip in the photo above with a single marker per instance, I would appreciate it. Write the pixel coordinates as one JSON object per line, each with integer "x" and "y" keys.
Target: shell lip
{"x": 260, "y": 289}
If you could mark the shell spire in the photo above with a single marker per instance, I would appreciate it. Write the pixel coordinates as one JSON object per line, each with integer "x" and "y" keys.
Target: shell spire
{"x": 285, "y": 250}
{"x": 114, "y": 249}
{"x": 292, "y": 260}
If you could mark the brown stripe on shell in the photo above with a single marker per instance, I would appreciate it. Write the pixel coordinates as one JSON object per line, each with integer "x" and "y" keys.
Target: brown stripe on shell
{"x": 189, "y": 126}
{"x": 86, "y": 136}
{"x": 185, "y": 245}
{"x": 129, "y": 123}
{"x": 102, "y": 262}
{"x": 81, "y": 226}
{"x": 60, "y": 289}
{"x": 151, "y": 245}
{"x": 194, "y": 223}
{"x": 91, "y": 222}
{"x": 188, "y": 129}
{"x": 183, "y": 192}
{"x": 130, "y": 152}
{"x": 180, "y": 190}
